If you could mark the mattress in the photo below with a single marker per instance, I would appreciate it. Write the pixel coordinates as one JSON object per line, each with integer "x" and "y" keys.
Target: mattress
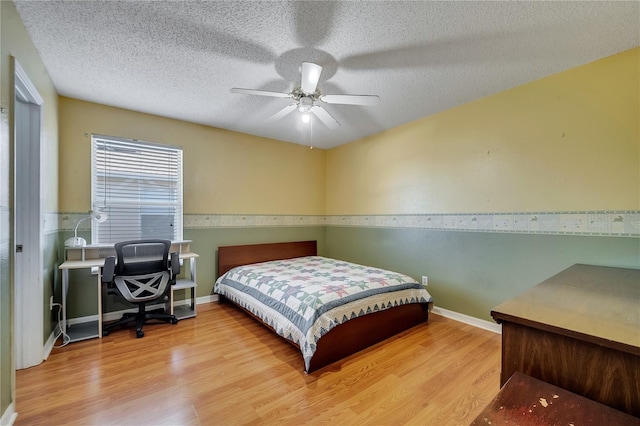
{"x": 304, "y": 298}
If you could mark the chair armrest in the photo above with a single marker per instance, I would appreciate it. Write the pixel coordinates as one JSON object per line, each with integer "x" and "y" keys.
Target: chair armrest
{"x": 109, "y": 270}
{"x": 175, "y": 264}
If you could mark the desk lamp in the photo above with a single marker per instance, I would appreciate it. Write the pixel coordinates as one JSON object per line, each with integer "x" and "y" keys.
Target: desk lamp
{"x": 76, "y": 241}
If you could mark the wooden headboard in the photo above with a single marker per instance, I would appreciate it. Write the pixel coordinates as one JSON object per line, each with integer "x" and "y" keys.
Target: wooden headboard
{"x": 231, "y": 256}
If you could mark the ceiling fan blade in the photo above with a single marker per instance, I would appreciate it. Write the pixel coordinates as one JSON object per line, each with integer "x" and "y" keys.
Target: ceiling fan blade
{"x": 351, "y": 99}
{"x": 260, "y": 93}
{"x": 310, "y": 77}
{"x": 280, "y": 114}
{"x": 325, "y": 117}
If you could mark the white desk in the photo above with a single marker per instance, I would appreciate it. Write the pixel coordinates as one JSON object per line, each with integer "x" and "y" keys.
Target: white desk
{"x": 92, "y": 256}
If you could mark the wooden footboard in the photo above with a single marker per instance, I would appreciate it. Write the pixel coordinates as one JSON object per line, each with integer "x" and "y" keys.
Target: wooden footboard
{"x": 345, "y": 339}
{"x": 362, "y": 332}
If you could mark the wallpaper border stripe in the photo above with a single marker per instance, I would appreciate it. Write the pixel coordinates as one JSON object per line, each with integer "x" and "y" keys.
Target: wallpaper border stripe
{"x": 592, "y": 223}
{"x": 617, "y": 223}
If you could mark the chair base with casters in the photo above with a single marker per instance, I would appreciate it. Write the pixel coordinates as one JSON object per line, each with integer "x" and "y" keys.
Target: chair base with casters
{"x": 142, "y": 275}
{"x": 139, "y": 318}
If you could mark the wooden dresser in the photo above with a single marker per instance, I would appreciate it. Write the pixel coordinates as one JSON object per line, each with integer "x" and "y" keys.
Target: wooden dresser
{"x": 526, "y": 401}
{"x": 578, "y": 330}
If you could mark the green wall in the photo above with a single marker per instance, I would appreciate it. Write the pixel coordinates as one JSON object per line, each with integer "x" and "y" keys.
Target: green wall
{"x": 50, "y": 277}
{"x": 471, "y": 272}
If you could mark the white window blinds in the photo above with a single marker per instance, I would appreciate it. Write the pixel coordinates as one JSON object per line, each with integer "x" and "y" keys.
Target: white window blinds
{"x": 139, "y": 186}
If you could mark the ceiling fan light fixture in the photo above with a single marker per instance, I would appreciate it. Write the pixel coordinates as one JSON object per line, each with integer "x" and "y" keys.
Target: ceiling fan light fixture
{"x": 305, "y": 104}
{"x": 306, "y": 117}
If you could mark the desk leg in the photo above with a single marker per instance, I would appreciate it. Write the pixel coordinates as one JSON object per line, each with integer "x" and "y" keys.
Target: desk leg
{"x": 99, "y": 303}
{"x": 192, "y": 271}
{"x": 65, "y": 290}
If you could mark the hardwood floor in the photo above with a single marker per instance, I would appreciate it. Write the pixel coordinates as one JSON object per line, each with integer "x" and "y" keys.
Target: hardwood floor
{"x": 223, "y": 368}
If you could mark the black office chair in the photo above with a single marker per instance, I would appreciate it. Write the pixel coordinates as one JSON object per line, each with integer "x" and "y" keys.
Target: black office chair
{"x": 142, "y": 274}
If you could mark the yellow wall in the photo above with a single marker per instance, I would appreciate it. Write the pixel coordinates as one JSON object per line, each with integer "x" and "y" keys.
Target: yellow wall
{"x": 567, "y": 142}
{"x": 224, "y": 172}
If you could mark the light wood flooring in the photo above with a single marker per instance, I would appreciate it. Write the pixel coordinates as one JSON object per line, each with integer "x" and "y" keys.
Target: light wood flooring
{"x": 223, "y": 368}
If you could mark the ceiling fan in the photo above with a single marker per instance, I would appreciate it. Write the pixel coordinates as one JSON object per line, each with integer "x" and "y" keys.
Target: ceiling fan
{"x": 307, "y": 96}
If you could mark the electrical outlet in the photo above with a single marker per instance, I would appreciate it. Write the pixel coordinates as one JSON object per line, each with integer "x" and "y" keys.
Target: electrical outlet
{"x": 425, "y": 280}
{"x": 51, "y": 303}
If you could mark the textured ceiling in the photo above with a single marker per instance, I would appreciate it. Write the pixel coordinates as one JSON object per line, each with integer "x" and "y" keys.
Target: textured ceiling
{"x": 179, "y": 59}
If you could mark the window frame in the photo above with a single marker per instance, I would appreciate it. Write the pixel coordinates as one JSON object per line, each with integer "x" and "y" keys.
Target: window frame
{"x": 103, "y": 202}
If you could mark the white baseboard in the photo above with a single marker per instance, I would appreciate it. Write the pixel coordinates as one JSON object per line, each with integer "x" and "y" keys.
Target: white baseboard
{"x": 9, "y": 416}
{"x": 51, "y": 341}
{"x": 207, "y": 299}
{"x": 476, "y": 322}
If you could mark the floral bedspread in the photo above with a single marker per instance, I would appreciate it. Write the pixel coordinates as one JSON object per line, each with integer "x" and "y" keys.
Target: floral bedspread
{"x": 304, "y": 298}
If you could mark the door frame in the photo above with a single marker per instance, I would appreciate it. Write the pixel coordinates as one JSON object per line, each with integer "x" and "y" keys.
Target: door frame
{"x": 28, "y": 225}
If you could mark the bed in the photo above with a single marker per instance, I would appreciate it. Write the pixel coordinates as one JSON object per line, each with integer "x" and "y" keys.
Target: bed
{"x": 328, "y": 308}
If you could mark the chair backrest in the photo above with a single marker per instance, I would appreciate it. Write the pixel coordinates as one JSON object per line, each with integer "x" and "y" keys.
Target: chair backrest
{"x": 142, "y": 271}
{"x": 141, "y": 257}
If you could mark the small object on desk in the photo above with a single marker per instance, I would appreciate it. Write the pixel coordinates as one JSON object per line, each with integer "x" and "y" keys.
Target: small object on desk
{"x": 525, "y": 401}
{"x": 76, "y": 241}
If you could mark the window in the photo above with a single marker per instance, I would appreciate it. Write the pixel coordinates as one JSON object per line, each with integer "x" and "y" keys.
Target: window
{"x": 139, "y": 187}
